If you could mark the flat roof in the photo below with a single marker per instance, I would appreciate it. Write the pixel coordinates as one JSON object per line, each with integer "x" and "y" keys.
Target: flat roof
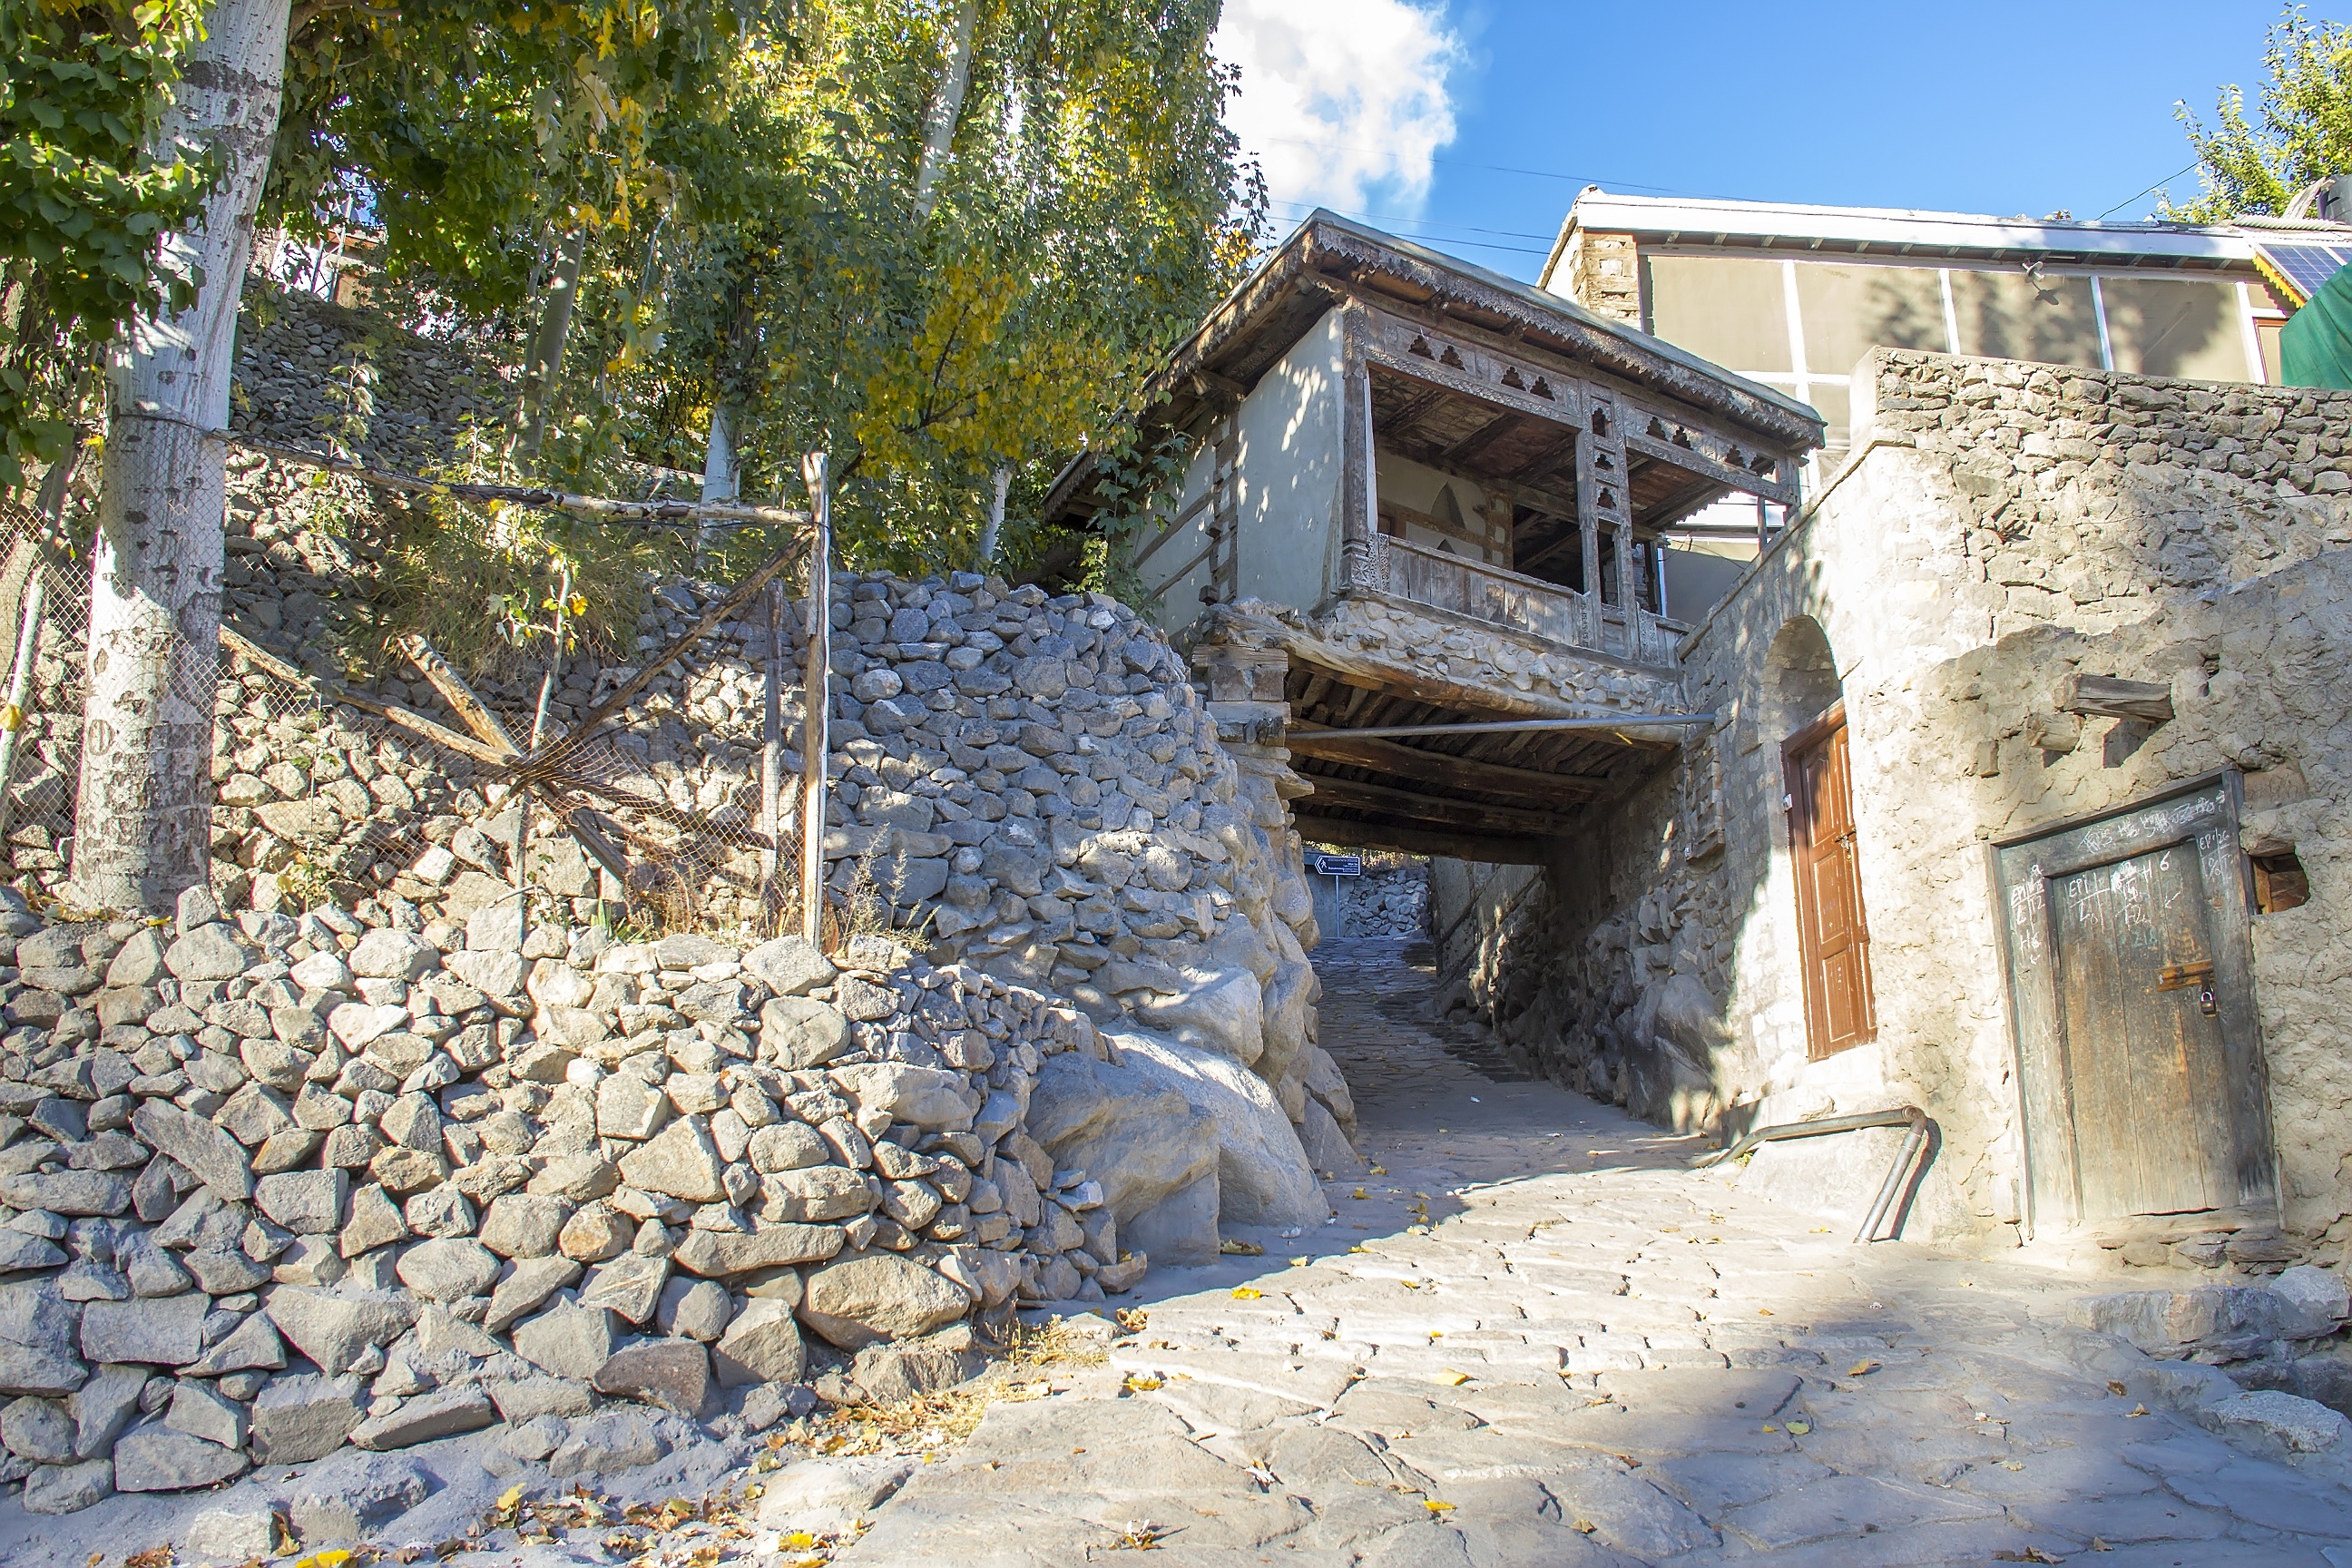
{"x": 1896, "y": 230}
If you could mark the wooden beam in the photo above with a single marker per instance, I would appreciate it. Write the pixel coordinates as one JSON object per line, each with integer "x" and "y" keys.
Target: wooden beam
{"x": 484, "y": 722}
{"x": 1413, "y": 807}
{"x": 816, "y": 699}
{"x": 1467, "y": 448}
{"x": 1483, "y": 850}
{"x": 440, "y": 735}
{"x": 2149, "y": 701}
{"x": 1401, "y": 421}
{"x": 486, "y": 725}
{"x": 1543, "y": 462}
{"x": 1527, "y": 784}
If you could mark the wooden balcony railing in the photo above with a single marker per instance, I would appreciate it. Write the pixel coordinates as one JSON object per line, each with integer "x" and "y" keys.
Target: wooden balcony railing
{"x": 1542, "y": 609}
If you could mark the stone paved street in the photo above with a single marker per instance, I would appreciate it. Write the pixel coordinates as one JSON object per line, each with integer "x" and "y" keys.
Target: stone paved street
{"x": 1535, "y": 1336}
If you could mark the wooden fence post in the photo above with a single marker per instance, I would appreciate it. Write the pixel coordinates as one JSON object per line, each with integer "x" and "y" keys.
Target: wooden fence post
{"x": 816, "y": 699}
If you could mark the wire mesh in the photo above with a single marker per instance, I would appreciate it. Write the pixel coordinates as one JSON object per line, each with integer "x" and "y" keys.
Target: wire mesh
{"x": 316, "y": 799}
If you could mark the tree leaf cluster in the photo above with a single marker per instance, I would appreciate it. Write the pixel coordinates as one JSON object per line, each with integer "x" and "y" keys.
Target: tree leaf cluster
{"x": 2300, "y": 130}
{"x": 86, "y": 195}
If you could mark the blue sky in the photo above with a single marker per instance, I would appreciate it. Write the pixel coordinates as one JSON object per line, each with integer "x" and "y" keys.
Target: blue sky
{"x": 1414, "y": 114}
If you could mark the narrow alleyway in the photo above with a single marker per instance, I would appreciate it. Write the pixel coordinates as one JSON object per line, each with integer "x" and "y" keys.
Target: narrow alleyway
{"x": 1535, "y": 1336}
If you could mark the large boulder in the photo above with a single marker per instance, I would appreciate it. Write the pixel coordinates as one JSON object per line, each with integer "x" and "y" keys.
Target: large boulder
{"x": 929, "y": 1098}
{"x": 1287, "y": 1008}
{"x": 789, "y": 967}
{"x": 1141, "y": 1139}
{"x": 862, "y": 1298}
{"x": 1263, "y": 1175}
{"x": 1221, "y": 1010}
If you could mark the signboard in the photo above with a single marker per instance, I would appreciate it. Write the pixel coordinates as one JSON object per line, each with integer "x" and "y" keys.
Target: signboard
{"x": 1339, "y": 865}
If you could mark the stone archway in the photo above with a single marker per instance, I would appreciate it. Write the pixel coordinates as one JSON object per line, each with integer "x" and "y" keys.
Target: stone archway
{"x": 1800, "y": 678}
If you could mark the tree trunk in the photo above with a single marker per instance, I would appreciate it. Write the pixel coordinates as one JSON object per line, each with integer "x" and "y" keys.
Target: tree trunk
{"x": 547, "y": 344}
{"x": 947, "y": 108}
{"x": 992, "y": 534}
{"x": 143, "y": 824}
{"x": 722, "y": 467}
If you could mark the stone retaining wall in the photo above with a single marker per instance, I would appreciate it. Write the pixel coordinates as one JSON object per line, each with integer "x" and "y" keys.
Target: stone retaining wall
{"x": 269, "y": 1185}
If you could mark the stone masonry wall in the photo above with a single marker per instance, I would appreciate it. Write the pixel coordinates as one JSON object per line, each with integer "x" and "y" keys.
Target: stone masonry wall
{"x": 271, "y": 1185}
{"x": 1027, "y": 780}
{"x": 2001, "y": 526}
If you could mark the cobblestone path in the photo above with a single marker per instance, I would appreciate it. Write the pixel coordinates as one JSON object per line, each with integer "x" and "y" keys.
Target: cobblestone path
{"x": 1536, "y": 1337}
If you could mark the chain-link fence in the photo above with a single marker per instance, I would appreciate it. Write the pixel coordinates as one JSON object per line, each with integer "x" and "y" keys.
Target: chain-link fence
{"x": 663, "y": 817}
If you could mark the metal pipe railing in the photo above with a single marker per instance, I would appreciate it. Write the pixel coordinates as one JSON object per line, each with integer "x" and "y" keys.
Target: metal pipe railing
{"x": 1913, "y": 1141}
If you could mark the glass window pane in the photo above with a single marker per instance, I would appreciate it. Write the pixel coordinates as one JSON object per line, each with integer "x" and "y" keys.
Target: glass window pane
{"x": 1727, "y": 310}
{"x": 1834, "y": 404}
{"x": 1849, "y": 310}
{"x": 2175, "y": 326}
{"x": 2007, "y": 315}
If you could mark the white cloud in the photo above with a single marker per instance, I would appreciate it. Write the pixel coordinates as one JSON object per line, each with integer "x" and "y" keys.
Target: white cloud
{"x": 1342, "y": 101}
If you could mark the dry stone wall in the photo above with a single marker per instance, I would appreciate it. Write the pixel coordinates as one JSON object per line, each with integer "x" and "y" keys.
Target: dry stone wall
{"x": 2001, "y": 527}
{"x": 387, "y": 1138}
{"x": 271, "y": 1185}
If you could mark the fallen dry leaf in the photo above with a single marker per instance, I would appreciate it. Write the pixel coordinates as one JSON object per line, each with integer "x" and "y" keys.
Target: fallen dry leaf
{"x": 1244, "y": 1293}
{"x": 1861, "y": 1369}
{"x": 1301, "y": 1262}
{"x": 1434, "y": 1506}
{"x": 1453, "y": 1379}
{"x": 1799, "y": 1428}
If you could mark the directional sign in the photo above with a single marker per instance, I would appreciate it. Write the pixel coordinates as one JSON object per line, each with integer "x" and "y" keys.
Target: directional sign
{"x": 1339, "y": 865}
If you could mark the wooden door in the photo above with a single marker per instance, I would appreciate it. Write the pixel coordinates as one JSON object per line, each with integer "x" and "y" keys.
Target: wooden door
{"x": 2131, "y": 986}
{"x": 1832, "y": 936}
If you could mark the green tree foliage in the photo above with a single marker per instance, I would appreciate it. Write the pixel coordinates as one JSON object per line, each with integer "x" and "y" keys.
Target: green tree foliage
{"x": 2302, "y": 130}
{"x": 85, "y": 196}
{"x": 1091, "y": 210}
{"x": 476, "y": 133}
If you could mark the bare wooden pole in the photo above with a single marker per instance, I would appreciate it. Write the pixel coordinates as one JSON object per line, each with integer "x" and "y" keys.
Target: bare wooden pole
{"x": 597, "y": 509}
{"x": 261, "y": 658}
{"x": 771, "y": 749}
{"x": 476, "y": 714}
{"x": 816, "y": 700}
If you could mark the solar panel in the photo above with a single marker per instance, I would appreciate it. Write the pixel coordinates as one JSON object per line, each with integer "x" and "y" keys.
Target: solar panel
{"x": 2307, "y": 267}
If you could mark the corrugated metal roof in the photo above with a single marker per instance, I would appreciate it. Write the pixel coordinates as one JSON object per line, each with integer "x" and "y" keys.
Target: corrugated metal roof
{"x": 1900, "y": 230}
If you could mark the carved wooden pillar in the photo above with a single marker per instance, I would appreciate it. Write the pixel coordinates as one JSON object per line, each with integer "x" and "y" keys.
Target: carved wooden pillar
{"x": 1601, "y": 501}
{"x": 1360, "y": 488}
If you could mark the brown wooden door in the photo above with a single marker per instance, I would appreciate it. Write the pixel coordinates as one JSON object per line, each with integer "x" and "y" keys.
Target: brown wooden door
{"x": 2131, "y": 987}
{"x": 1833, "y": 937}
{"x": 2143, "y": 1055}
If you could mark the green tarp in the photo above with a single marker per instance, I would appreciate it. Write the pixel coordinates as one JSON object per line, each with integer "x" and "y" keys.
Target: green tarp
{"x": 2315, "y": 345}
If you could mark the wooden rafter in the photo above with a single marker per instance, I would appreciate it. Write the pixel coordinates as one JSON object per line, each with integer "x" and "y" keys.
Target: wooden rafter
{"x": 1467, "y": 449}
{"x": 1490, "y": 850}
{"x": 1527, "y": 785}
{"x": 1415, "y": 807}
